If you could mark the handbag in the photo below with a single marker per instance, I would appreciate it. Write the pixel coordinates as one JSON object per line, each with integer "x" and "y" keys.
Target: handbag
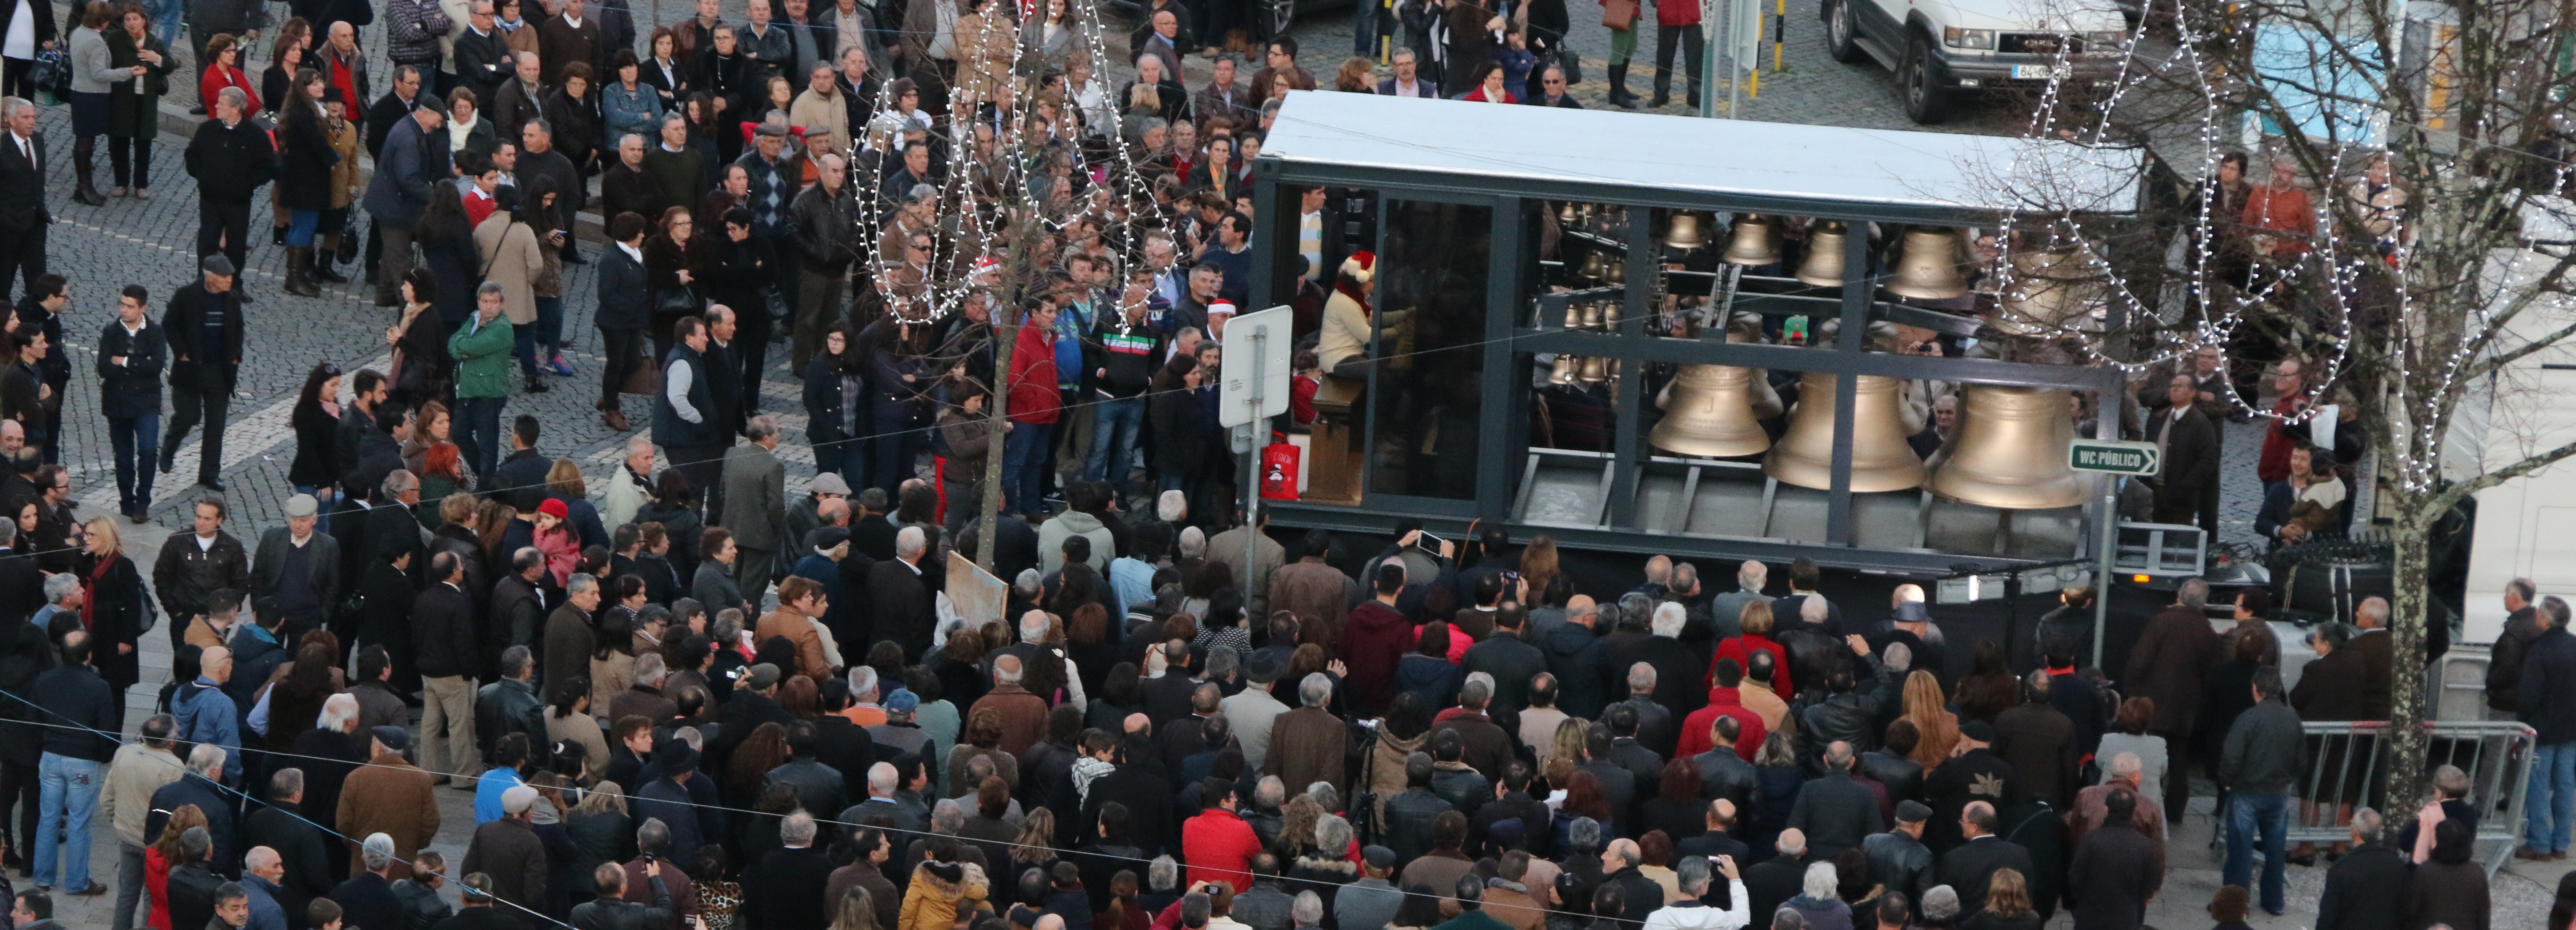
{"x": 645, "y": 378}
{"x": 1618, "y": 15}
{"x": 49, "y": 75}
{"x": 674, "y": 301}
{"x": 348, "y": 250}
{"x": 1572, "y": 62}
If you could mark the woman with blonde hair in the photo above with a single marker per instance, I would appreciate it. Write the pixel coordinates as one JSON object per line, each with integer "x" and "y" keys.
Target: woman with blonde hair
{"x": 2007, "y": 904}
{"x": 1035, "y": 847}
{"x": 1937, "y": 726}
{"x": 114, "y": 605}
{"x": 600, "y": 827}
{"x": 857, "y": 910}
{"x": 1754, "y": 635}
{"x": 1538, "y": 567}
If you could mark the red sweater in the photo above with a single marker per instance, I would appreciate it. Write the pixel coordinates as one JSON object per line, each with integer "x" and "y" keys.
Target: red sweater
{"x": 1219, "y": 847}
{"x": 1721, "y": 702}
{"x": 213, "y": 82}
{"x": 1737, "y": 649}
{"x": 1374, "y": 638}
{"x": 1033, "y": 386}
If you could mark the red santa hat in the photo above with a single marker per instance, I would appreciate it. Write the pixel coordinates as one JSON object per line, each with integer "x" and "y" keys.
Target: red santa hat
{"x": 1361, "y": 266}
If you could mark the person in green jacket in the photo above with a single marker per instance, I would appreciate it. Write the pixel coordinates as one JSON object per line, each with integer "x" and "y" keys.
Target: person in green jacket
{"x": 482, "y": 351}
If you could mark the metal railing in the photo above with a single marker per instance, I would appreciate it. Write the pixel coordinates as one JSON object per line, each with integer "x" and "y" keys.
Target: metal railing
{"x": 2348, "y": 765}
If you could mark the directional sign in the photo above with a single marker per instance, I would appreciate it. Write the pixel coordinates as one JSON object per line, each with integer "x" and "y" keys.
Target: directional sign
{"x": 2114, "y": 457}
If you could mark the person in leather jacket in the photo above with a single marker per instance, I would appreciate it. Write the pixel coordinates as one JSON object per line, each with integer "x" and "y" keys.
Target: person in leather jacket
{"x": 1722, "y": 773}
{"x": 1849, "y": 711}
{"x": 1898, "y": 860}
{"x": 511, "y": 705}
{"x": 610, "y": 911}
{"x": 1409, "y": 815}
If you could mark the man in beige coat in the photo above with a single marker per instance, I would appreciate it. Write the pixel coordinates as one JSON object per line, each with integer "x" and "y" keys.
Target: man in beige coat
{"x": 138, "y": 770}
{"x": 389, "y": 796}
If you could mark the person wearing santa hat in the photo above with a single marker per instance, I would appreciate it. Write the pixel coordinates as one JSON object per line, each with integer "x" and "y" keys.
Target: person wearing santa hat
{"x": 1342, "y": 347}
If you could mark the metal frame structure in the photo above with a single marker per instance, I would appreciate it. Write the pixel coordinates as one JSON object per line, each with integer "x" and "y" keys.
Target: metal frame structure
{"x": 2348, "y": 763}
{"x": 1524, "y": 158}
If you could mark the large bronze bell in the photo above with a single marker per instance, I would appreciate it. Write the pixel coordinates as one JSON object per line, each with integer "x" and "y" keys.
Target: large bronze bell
{"x": 1928, "y": 267}
{"x": 1708, "y": 413}
{"x": 1881, "y": 461}
{"x": 2046, "y": 296}
{"x": 2010, "y": 451}
{"x": 1681, "y": 233}
{"x": 1593, "y": 268}
{"x": 1823, "y": 266}
{"x": 1752, "y": 242}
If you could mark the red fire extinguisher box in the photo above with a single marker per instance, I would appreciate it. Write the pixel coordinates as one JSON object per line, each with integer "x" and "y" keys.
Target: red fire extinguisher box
{"x": 1279, "y": 471}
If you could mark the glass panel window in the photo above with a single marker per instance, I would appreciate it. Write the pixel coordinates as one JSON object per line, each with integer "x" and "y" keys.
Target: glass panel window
{"x": 1429, "y": 315}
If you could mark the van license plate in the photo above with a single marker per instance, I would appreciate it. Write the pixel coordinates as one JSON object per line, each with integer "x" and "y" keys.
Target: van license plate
{"x": 2036, "y": 72}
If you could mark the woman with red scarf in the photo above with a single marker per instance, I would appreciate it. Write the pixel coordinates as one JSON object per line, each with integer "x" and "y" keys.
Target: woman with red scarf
{"x": 113, "y": 605}
{"x": 1342, "y": 347}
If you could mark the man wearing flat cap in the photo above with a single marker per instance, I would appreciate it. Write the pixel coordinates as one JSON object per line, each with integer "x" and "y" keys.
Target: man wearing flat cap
{"x": 826, "y": 548}
{"x": 682, "y": 799}
{"x": 508, "y": 850}
{"x": 230, "y": 157}
{"x": 1898, "y": 860}
{"x": 415, "y": 157}
{"x": 299, "y": 566}
{"x": 204, "y": 324}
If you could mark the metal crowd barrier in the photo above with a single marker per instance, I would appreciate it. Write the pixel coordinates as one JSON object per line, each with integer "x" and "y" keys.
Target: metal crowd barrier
{"x": 2348, "y": 765}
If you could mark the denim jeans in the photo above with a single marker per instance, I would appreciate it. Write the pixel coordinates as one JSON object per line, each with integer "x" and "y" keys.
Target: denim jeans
{"x": 481, "y": 437}
{"x": 1113, "y": 438}
{"x": 1024, "y": 458}
{"x": 2269, "y": 813}
{"x": 129, "y": 885}
{"x": 300, "y": 226}
{"x": 137, "y": 441}
{"x": 69, "y": 784}
{"x": 2552, "y": 802}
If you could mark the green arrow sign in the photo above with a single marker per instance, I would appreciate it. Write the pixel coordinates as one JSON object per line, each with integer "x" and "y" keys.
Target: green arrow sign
{"x": 2114, "y": 457}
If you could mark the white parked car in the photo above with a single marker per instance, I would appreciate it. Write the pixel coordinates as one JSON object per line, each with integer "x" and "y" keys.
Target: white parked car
{"x": 1942, "y": 48}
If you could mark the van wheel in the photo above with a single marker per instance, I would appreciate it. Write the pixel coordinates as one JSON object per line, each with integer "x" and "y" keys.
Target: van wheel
{"x": 1839, "y": 33}
{"x": 1926, "y": 102}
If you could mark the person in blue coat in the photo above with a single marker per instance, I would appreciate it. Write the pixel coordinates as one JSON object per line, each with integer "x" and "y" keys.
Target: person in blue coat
{"x": 206, "y": 715}
{"x": 414, "y": 158}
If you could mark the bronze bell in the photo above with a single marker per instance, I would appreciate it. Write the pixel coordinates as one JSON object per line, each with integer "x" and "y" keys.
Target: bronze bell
{"x": 1593, "y": 268}
{"x": 1592, "y": 315}
{"x": 1617, "y": 275}
{"x": 1881, "y": 461}
{"x": 1708, "y": 413}
{"x": 1928, "y": 268}
{"x": 1563, "y": 372}
{"x": 1823, "y": 266}
{"x": 2046, "y": 296}
{"x": 1565, "y": 213}
{"x": 2009, "y": 450}
{"x": 1610, "y": 316}
{"x": 1595, "y": 370}
{"x": 1681, "y": 233}
{"x": 1752, "y": 243}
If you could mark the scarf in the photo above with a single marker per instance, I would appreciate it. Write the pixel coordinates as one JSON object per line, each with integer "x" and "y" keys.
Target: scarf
{"x": 1086, "y": 770}
{"x": 1352, "y": 291}
{"x": 89, "y": 594}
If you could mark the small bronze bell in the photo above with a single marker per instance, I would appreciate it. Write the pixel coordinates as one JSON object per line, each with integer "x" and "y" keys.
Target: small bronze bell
{"x": 1565, "y": 213}
{"x": 1595, "y": 370}
{"x": 1592, "y": 315}
{"x": 1610, "y": 316}
{"x": 1928, "y": 268}
{"x": 1593, "y": 268}
{"x": 2046, "y": 296}
{"x": 1618, "y": 274}
{"x": 1881, "y": 461}
{"x": 1708, "y": 413}
{"x": 1823, "y": 266}
{"x": 1751, "y": 243}
{"x": 2008, "y": 451}
{"x": 1681, "y": 233}
{"x": 1562, "y": 373}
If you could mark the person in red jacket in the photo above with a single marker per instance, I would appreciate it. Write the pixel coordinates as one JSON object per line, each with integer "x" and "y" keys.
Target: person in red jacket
{"x": 1676, "y": 20}
{"x": 1725, "y": 699}
{"x": 1374, "y": 638}
{"x": 1035, "y": 405}
{"x": 1756, "y": 627}
{"x": 1217, "y": 843}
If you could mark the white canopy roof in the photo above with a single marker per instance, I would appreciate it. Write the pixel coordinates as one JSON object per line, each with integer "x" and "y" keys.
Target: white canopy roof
{"x": 1544, "y": 145}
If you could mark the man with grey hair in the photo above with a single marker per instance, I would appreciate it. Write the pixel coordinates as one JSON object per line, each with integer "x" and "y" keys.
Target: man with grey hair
{"x": 1691, "y": 911}
{"x": 1834, "y": 811}
{"x": 1727, "y": 609}
{"x": 2368, "y": 886}
{"x": 301, "y": 848}
{"x": 786, "y": 890}
{"x": 442, "y": 626}
{"x": 2126, "y": 772}
{"x": 1305, "y": 742}
{"x": 369, "y": 893}
{"x": 22, "y": 195}
{"x": 2504, "y": 668}
{"x": 2166, "y": 666}
{"x": 2378, "y": 656}
{"x": 231, "y": 158}
{"x": 1254, "y": 710}
{"x": 482, "y": 349}
{"x": 899, "y": 590}
{"x": 754, "y": 504}
{"x": 202, "y": 785}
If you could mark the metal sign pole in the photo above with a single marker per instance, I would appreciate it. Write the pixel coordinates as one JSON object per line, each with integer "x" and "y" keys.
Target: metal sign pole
{"x": 2104, "y": 541}
{"x": 1252, "y": 461}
